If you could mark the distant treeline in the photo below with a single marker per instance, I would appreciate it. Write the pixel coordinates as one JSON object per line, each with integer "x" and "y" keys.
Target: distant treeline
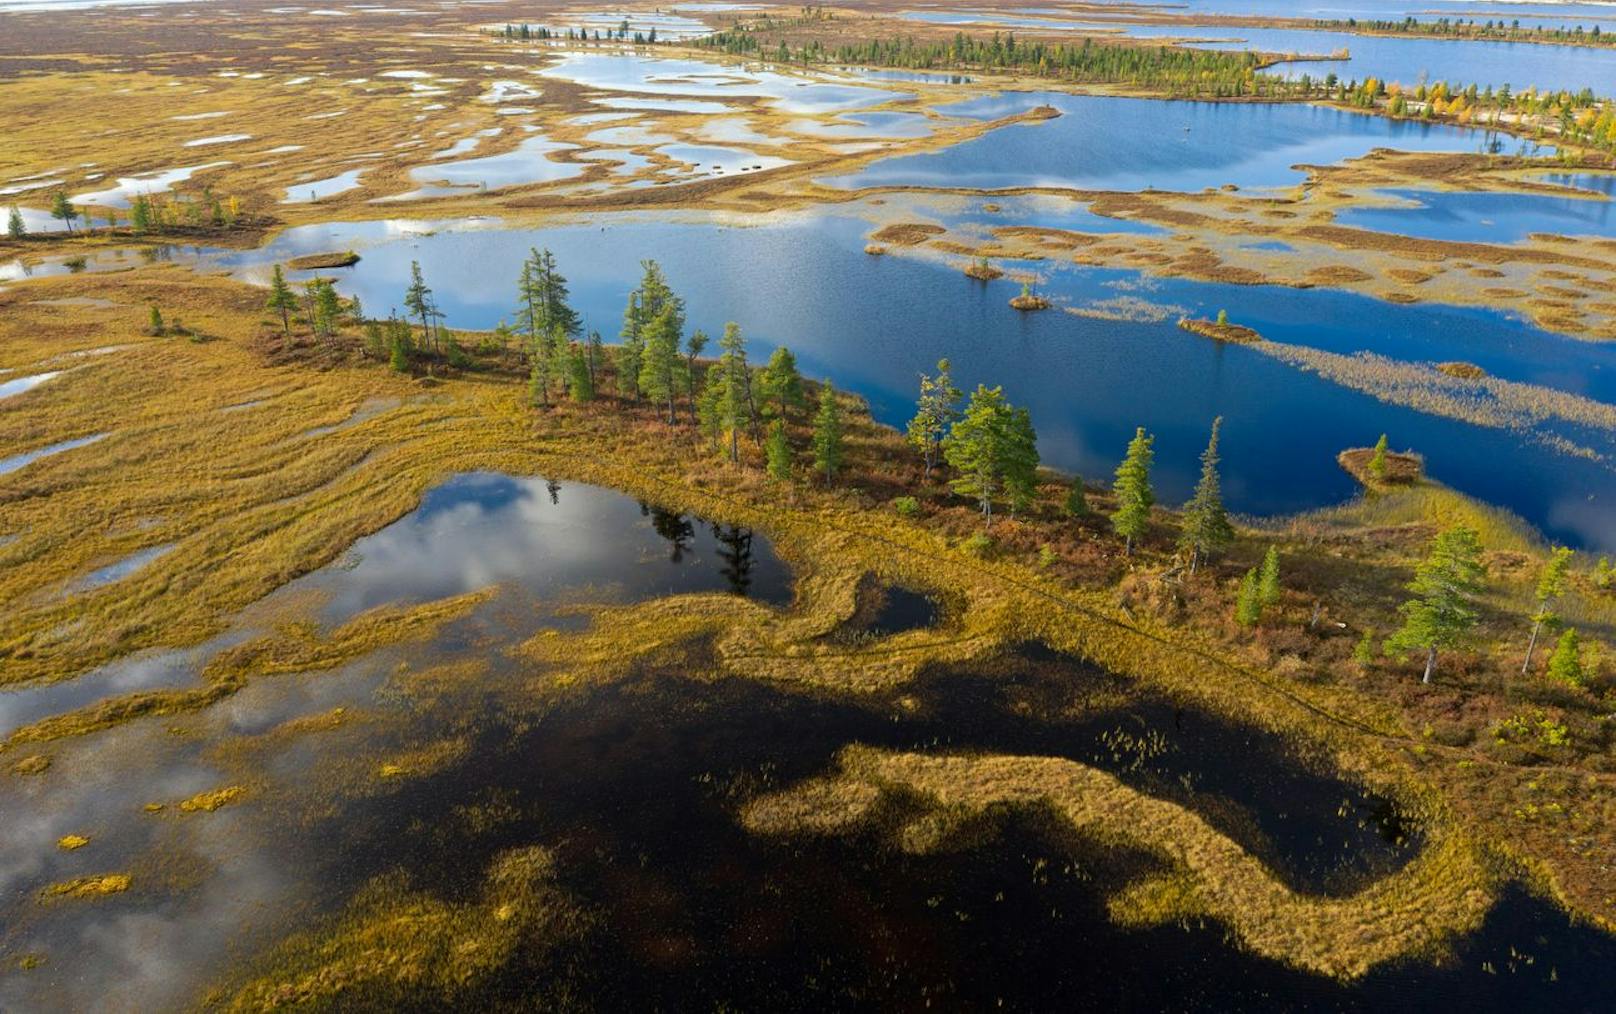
{"x": 1168, "y": 68}
{"x": 1457, "y": 28}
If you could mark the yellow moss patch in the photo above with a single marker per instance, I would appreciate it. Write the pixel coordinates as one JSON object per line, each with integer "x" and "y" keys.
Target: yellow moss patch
{"x": 207, "y": 802}
{"x": 88, "y": 887}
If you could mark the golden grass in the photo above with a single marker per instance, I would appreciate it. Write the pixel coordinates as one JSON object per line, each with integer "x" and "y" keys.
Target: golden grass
{"x": 1443, "y": 893}
{"x": 396, "y": 945}
{"x": 94, "y": 886}
{"x": 213, "y": 799}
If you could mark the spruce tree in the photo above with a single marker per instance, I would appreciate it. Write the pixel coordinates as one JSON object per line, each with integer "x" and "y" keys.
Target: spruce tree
{"x": 1248, "y": 605}
{"x": 1132, "y": 488}
{"x": 281, "y": 300}
{"x": 14, "y": 224}
{"x": 1441, "y": 612}
{"x": 1377, "y": 460}
{"x": 1077, "y": 499}
{"x": 976, "y": 448}
{"x": 1268, "y": 578}
{"x": 828, "y": 448}
{"x": 993, "y": 448}
{"x": 1565, "y": 665}
{"x": 661, "y": 360}
{"x": 631, "y": 348}
{"x": 693, "y": 349}
{"x": 1020, "y": 461}
{"x": 935, "y": 412}
{"x": 736, "y": 403}
{"x": 596, "y": 350}
{"x": 1551, "y": 584}
{"x": 781, "y": 384}
{"x": 777, "y": 451}
{"x": 1206, "y": 523}
{"x": 580, "y": 382}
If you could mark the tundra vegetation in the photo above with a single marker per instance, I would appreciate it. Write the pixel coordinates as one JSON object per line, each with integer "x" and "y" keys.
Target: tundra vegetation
{"x": 1399, "y": 642}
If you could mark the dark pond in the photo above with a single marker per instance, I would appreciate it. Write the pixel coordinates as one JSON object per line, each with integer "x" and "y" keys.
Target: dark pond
{"x": 1088, "y": 382}
{"x": 635, "y": 786}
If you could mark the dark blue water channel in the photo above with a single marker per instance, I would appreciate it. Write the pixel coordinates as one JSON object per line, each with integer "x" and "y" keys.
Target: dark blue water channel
{"x": 872, "y": 324}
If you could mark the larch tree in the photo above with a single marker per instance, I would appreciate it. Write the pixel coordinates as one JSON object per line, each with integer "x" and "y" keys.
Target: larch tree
{"x": 631, "y": 348}
{"x": 828, "y": 439}
{"x": 281, "y": 300}
{"x": 1442, "y": 610}
{"x": 1551, "y": 584}
{"x": 15, "y": 228}
{"x": 418, "y": 301}
{"x": 936, "y": 410}
{"x": 1206, "y": 523}
{"x": 62, "y": 208}
{"x": 1134, "y": 494}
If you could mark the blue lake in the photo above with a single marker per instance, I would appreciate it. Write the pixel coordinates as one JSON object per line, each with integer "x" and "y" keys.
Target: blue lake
{"x": 1105, "y": 143}
{"x": 1485, "y": 217}
{"x": 1087, "y": 381}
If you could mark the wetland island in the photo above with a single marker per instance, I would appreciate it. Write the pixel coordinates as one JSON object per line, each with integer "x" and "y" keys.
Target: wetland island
{"x": 534, "y": 505}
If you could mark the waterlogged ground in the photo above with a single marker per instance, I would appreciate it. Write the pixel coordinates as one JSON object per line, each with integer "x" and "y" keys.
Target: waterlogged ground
{"x": 404, "y": 776}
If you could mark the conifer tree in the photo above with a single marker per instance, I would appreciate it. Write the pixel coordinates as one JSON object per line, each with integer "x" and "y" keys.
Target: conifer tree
{"x": 281, "y": 299}
{"x": 1133, "y": 491}
{"x": 781, "y": 384}
{"x": 777, "y": 451}
{"x": 1077, "y": 499}
{"x": 1565, "y": 665}
{"x": 735, "y": 405}
{"x": 1248, "y": 605}
{"x": 327, "y": 308}
{"x": 140, "y": 215}
{"x": 1377, "y": 461}
{"x": 62, "y": 209}
{"x": 1206, "y": 523}
{"x": 14, "y": 224}
{"x": 828, "y": 447}
{"x": 936, "y": 410}
{"x": 992, "y": 448}
{"x": 1551, "y": 583}
{"x": 630, "y": 350}
{"x": 1441, "y": 612}
{"x": 418, "y": 300}
{"x": 580, "y": 382}
{"x": 154, "y": 322}
{"x": 693, "y": 349}
{"x": 594, "y": 352}
{"x": 661, "y": 360}
{"x": 1268, "y": 578}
